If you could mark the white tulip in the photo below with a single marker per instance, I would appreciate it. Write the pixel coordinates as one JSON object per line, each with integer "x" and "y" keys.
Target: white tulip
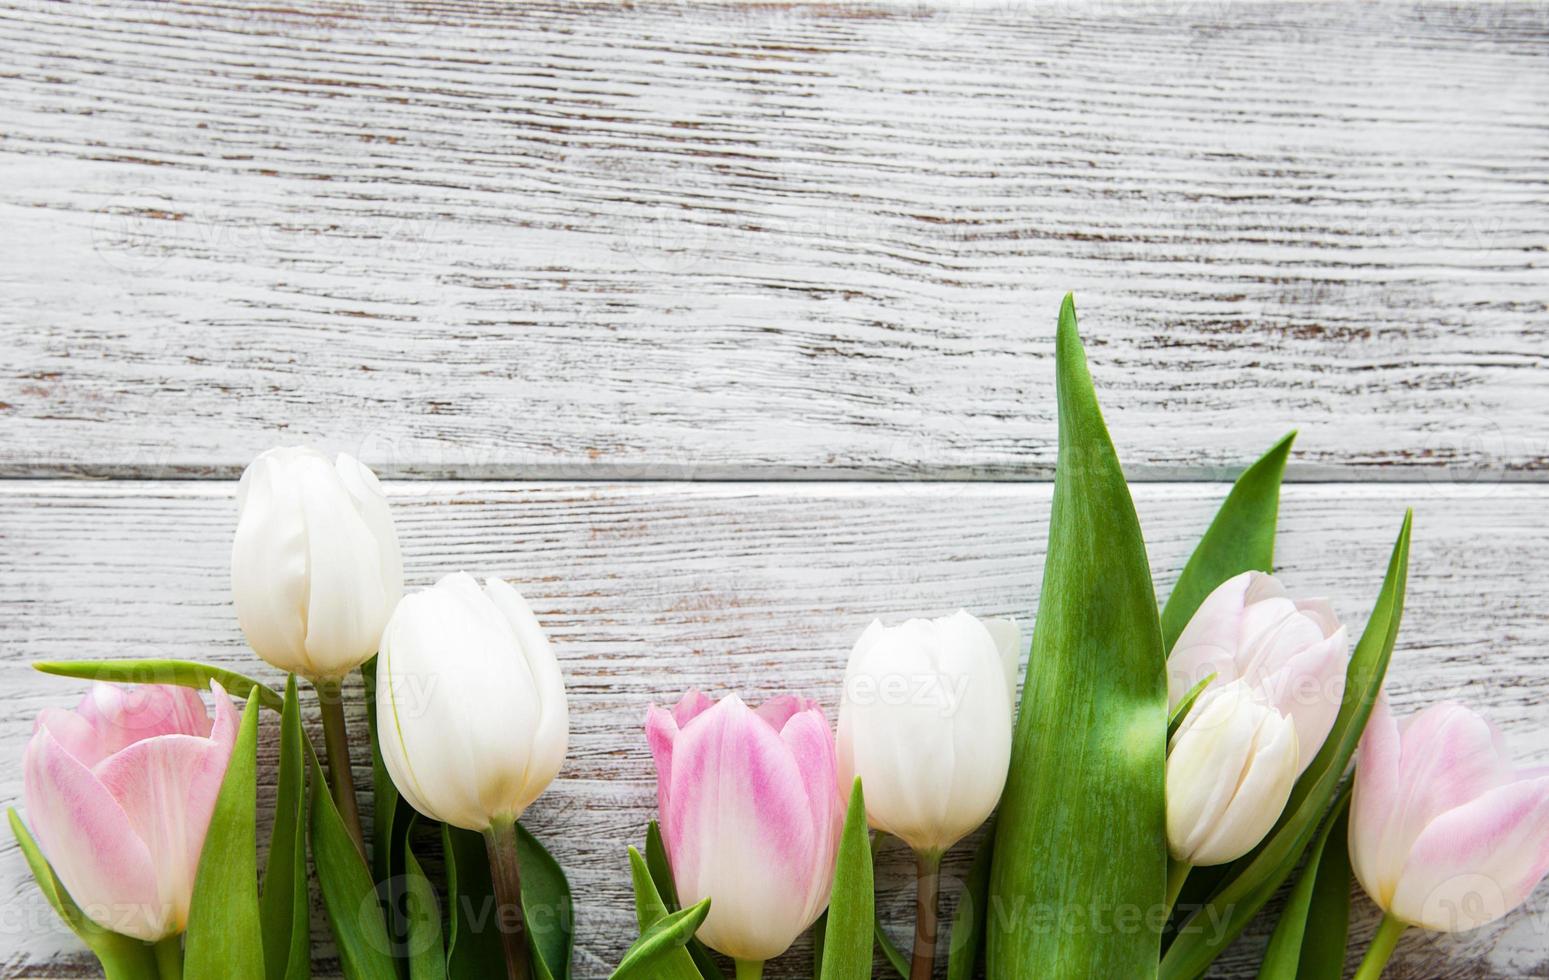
{"x": 470, "y": 702}
{"x": 925, "y": 721}
{"x": 315, "y": 569}
{"x": 1230, "y": 769}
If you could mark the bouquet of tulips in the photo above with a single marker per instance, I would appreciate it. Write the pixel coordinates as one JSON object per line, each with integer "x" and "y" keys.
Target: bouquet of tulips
{"x": 1168, "y": 772}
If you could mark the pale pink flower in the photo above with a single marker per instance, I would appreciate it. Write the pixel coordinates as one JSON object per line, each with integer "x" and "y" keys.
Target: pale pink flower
{"x": 119, "y": 794}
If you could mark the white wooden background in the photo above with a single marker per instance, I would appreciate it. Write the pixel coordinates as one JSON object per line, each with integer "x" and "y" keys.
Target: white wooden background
{"x": 722, "y": 329}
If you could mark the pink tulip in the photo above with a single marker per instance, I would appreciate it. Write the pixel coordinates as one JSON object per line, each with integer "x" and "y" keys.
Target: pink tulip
{"x": 1444, "y": 832}
{"x": 1293, "y": 652}
{"x": 750, "y": 814}
{"x": 119, "y": 794}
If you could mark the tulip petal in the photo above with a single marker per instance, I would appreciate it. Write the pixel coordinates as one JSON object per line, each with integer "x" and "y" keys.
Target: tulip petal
{"x": 1478, "y": 861}
{"x": 691, "y": 706}
{"x": 1209, "y": 754}
{"x": 1207, "y": 644}
{"x": 89, "y": 840}
{"x": 1372, "y": 802}
{"x": 552, "y": 733}
{"x": 269, "y": 577}
{"x": 346, "y": 601}
{"x": 1309, "y": 687}
{"x": 738, "y": 828}
{"x": 166, "y": 785}
{"x": 1007, "y": 634}
{"x": 1448, "y": 757}
{"x": 661, "y": 732}
{"x": 1260, "y": 794}
{"x": 811, "y": 744}
{"x": 371, "y": 503}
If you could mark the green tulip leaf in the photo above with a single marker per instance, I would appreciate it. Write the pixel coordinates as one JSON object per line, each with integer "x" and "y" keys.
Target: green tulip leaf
{"x": 673, "y": 932}
{"x": 1240, "y": 539}
{"x": 184, "y": 673}
{"x": 427, "y": 957}
{"x": 122, "y": 957}
{"x": 965, "y": 943}
{"x": 1253, "y": 879}
{"x": 661, "y": 874}
{"x": 386, "y": 845}
{"x": 1082, "y": 820}
{"x": 225, "y": 928}
{"x": 284, "y": 907}
{"x": 847, "y": 942}
{"x": 473, "y": 938}
{"x": 1182, "y": 711}
{"x": 1327, "y": 935}
{"x": 1309, "y": 940}
{"x": 349, "y": 894}
{"x": 473, "y": 948}
{"x": 546, "y": 906}
{"x": 650, "y": 908}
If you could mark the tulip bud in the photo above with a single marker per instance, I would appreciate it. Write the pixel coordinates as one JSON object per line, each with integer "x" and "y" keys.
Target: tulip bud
{"x": 119, "y": 793}
{"x": 1294, "y": 652}
{"x": 1230, "y": 769}
{"x": 315, "y": 570}
{"x": 471, "y": 702}
{"x": 1445, "y": 833}
{"x": 926, "y": 723}
{"x": 750, "y": 815}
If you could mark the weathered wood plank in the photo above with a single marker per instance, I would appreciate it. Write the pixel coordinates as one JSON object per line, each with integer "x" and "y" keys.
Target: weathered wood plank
{"x": 649, "y": 588}
{"x": 684, "y": 240}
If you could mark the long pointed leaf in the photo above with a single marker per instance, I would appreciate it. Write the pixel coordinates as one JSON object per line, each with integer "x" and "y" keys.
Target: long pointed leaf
{"x": 122, "y": 957}
{"x": 473, "y": 947}
{"x": 847, "y": 943}
{"x": 671, "y": 933}
{"x": 184, "y": 673}
{"x": 284, "y": 907}
{"x": 1240, "y": 539}
{"x": 349, "y": 894}
{"x": 427, "y": 957}
{"x": 1082, "y": 819}
{"x": 546, "y": 906}
{"x": 225, "y": 931}
{"x": 651, "y": 909}
{"x": 1175, "y": 720}
{"x": 1327, "y": 935}
{"x": 1252, "y": 880}
{"x": 1283, "y": 958}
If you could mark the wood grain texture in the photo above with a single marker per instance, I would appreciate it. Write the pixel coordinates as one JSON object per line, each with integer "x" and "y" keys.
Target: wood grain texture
{"x": 470, "y": 238}
{"x": 647, "y": 589}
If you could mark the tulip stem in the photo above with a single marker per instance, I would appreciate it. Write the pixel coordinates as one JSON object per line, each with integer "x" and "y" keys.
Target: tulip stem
{"x": 928, "y": 884}
{"x": 169, "y": 957}
{"x": 1177, "y": 874}
{"x": 1381, "y": 949}
{"x": 750, "y": 969}
{"x": 336, "y": 739}
{"x": 510, "y": 919}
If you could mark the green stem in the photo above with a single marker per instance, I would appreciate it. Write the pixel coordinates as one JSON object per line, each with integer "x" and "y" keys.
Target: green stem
{"x": 336, "y": 739}
{"x": 750, "y": 969}
{"x": 1381, "y": 949}
{"x": 510, "y": 921}
{"x": 927, "y": 898}
{"x": 1177, "y": 874}
{"x": 169, "y": 958}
